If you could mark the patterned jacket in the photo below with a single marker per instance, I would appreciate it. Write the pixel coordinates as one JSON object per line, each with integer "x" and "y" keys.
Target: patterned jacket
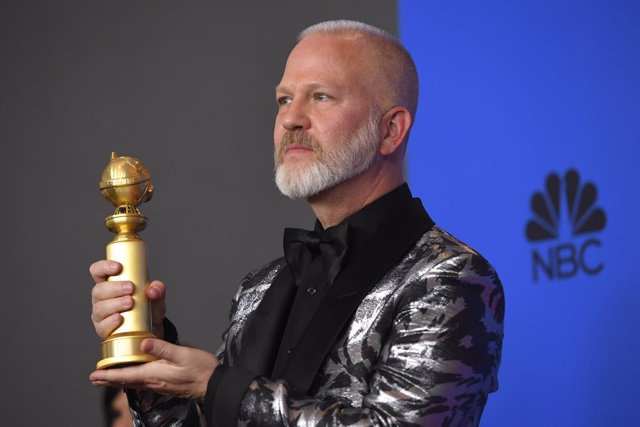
{"x": 412, "y": 338}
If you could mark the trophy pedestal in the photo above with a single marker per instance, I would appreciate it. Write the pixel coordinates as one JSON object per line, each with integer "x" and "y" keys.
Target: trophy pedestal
{"x": 124, "y": 349}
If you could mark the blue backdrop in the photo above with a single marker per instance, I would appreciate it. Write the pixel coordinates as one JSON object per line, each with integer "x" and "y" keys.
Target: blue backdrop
{"x": 526, "y": 146}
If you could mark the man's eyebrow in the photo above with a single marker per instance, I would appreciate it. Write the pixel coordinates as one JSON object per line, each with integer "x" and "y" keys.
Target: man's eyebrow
{"x": 281, "y": 88}
{"x": 308, "y": 86}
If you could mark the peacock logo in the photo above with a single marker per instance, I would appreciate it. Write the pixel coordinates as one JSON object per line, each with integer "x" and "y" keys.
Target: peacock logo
{"x": 584, "y": 216}
{"x": 549, "y": 209}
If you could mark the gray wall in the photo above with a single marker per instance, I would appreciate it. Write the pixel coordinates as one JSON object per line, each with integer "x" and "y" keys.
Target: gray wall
{"x": 188, "y": 88}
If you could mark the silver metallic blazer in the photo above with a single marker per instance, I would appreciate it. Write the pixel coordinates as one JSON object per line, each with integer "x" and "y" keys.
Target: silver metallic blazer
{"x": 420, "y": 346}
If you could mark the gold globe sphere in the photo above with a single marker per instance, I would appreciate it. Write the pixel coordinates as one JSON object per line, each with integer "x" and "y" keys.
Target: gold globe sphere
{"x": 126, "y": 182}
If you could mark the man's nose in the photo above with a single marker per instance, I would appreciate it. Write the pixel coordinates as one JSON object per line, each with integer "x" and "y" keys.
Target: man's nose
{"x": 295, "y": 117}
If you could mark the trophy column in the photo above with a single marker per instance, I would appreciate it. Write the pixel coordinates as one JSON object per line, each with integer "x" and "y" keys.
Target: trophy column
{"x": 126, "y": 184}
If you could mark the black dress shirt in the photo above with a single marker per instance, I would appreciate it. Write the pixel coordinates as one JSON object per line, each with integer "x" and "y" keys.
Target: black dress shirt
{"x": 314, "y": 285}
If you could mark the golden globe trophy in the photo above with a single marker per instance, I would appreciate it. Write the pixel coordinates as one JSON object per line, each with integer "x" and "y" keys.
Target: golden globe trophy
{"x": 126, "y": 184}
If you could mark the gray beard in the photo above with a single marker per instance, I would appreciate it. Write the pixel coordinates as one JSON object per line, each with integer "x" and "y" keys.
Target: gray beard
{"x": 349, "y": 159}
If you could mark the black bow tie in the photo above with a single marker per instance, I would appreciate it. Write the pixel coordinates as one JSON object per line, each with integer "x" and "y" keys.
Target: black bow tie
{"x": 301, "y": 246}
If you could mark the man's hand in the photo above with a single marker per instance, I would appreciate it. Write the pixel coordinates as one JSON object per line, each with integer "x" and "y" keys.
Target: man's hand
{"x": 180, "y": 371}
{"x": 109, "y": 299}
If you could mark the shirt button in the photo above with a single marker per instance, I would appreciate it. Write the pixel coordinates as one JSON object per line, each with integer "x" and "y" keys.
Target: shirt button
{"x": 311, "y": 291}
{"x": 289, "y": 351}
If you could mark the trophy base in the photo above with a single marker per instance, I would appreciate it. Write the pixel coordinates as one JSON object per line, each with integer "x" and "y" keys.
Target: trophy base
{"x": 124, "y": 349}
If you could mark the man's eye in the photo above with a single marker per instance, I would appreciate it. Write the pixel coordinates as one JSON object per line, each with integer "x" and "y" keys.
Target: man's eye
{"x": 283, "y": 100}
{"x": 321, "y": 97}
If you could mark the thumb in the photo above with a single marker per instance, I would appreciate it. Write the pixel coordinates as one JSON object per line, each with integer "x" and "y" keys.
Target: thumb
{"x": 161, "y": 349}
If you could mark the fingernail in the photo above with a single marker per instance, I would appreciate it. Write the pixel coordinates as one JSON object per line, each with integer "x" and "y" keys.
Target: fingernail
{"x": 113, "y": 265}
{"x": 127, "y": 287}
{"x": 126, "y": 302}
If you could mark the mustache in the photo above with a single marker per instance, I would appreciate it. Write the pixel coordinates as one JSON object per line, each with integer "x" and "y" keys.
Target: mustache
{"x": 297, "y": 137}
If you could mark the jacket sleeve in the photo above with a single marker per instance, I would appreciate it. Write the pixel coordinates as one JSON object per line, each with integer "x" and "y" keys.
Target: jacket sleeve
{"x": 438, "y": 363}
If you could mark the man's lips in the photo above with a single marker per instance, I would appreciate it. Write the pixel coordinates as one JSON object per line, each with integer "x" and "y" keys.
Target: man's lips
{"x": 296, "y": 148}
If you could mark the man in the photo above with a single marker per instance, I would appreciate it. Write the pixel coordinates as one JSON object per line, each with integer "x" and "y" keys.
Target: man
{"x": 377, "y": 317}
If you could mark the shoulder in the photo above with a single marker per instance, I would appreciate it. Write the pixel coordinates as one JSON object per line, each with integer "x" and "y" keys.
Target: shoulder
{"x": 439, "y": 254}
{"x": 444, "y": 271}
{"x": 255, "y": 284}
{"x": 454, "y": 295}
{"x": 263, "y": 274}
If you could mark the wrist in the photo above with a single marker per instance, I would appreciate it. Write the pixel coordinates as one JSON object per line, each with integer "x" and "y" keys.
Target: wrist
{"x": 211, "y": 383}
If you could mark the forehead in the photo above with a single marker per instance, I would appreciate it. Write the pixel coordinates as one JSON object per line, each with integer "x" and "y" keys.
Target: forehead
{"x": 328, "y": 59}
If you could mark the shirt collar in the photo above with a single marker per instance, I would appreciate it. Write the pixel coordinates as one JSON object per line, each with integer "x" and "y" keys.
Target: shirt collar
{"x": 366, "y": 221}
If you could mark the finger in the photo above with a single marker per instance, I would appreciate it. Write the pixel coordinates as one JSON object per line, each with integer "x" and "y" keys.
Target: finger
{"x": 130, "y": 377}
{"x": 162, "y": 349}
{"x": 109, "y": 290}
{"x": 156, "y": 291}
{"x": 103, "y": 309}
{"x": 108, "y": 325}
{"x": 101, "y": 270}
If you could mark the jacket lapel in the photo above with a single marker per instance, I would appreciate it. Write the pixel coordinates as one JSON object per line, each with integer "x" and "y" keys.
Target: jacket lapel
{"x": 262, "y": 336}
{"x": 382, "y": 251}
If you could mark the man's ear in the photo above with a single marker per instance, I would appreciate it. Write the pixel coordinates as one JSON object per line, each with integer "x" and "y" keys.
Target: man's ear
{"x": 394, "y": 127}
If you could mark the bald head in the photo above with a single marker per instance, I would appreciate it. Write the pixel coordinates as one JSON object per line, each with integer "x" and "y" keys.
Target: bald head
{"x": 390, "y": 62}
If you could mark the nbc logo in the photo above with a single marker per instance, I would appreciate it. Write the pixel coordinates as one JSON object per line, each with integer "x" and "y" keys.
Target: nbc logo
{"x": 583, "y": 217}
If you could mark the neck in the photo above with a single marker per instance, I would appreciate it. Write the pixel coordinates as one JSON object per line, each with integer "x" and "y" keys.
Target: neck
{"x": 335, "y": 204}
